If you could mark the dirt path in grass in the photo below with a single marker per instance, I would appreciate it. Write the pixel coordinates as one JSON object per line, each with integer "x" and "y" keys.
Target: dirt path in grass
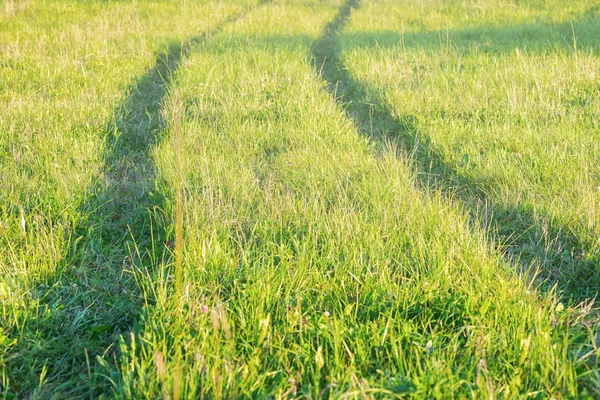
{"x": 94, "y": 299}
{"x": 372, "y": 116}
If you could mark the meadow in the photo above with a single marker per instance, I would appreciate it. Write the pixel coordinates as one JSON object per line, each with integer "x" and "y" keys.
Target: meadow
{"x": 299, "y": 199}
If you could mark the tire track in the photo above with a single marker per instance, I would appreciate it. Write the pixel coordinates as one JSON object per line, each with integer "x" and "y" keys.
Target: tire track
{"x": 373, "y": 117}
{"x": 92, "y": 299}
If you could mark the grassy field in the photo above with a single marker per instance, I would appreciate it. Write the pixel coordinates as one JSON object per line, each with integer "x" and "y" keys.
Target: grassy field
{"x": 299, "y": 198}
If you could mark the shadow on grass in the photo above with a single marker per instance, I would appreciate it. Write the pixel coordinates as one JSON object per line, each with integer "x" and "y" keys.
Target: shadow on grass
{"x": 94, "y": 297}
{"x": 535, "y": 38}
{"x": 522, "y": 233}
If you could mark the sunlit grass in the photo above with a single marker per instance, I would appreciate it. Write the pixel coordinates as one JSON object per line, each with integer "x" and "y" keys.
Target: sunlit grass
{"x": 507, "y": 106}
{"x": 316, "y": 264}
{"x": 299, "y": 199}
{"x": 81, "y": 89}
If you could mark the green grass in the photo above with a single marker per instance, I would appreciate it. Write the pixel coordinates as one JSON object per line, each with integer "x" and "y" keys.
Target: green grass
{"x": 299, "y": 198}
{"x": 506, "y": 107}
{"x": 81, "y": 96}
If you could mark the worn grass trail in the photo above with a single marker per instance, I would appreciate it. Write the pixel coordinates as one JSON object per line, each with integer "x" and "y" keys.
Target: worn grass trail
{"x": 328, "y": 244}
{"x": 466, "y": 137}
{"x": 93, "y": 297}
{"x": 543, "y": 246}
{"x": 314, "y": 267}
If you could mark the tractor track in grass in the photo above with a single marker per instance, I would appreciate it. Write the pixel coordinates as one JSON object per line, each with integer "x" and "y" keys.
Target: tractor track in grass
{"x": 373, "y": 117}
{"x": 94, "y": 298}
